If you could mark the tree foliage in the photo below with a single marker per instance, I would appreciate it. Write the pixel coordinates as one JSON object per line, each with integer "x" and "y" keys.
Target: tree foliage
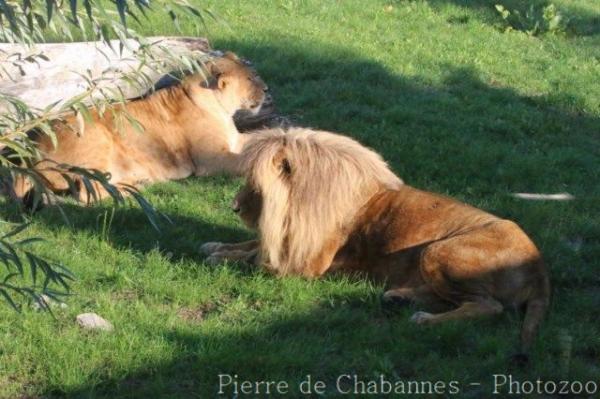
{"x": 25, "y": 275}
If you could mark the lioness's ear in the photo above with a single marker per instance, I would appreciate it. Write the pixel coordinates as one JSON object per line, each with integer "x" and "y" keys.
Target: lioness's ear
{"x": 222, "y": 82}
{"x": 211, "y": 82}
{"x": 215, "y": 80}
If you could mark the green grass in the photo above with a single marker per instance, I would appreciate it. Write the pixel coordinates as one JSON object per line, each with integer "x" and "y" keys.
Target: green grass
{"x": 453, "y": 103}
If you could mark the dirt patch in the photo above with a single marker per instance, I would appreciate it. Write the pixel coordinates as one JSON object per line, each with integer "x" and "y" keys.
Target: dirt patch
{"x": 196, "y": 314}
{"x": 125, "y": 295}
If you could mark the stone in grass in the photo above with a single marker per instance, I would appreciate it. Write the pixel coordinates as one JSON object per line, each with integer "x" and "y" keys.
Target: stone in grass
{"x": 91, "y": 321}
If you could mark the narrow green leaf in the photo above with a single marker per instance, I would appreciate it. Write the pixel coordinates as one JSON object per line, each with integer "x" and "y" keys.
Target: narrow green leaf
{"x": 9, "y": 300}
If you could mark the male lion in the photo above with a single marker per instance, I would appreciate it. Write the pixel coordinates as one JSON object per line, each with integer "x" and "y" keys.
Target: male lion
{"x": 188, "y": 129}
{"x": 323, "y": 203}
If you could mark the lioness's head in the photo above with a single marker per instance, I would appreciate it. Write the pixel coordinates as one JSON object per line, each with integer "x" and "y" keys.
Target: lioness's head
{"x": 234, "y": 83}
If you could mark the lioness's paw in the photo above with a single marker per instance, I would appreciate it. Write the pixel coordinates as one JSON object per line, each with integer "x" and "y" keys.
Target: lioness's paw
{"x": 421, "y": 317}
{"x": 209, "y": 248}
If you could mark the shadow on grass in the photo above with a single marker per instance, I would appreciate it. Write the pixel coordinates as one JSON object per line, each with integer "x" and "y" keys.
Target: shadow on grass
{"x": 342, "y": 336}
{"x": 466, "y": 131}
{"x": 466, "y": 137}
{"x": 581, "y": 22}
{"x": 180, "y": 235}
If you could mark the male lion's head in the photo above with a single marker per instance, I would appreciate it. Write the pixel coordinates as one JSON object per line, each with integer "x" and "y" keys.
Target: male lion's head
{"x": 234, "y": 83}
{"x": 301, "y": 188}
{"x": 248, "y": 205}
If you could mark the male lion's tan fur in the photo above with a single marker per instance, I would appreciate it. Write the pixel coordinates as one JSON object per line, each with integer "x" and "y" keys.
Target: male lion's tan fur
{"x": 187, "y": 129}
{"x": 322, "y": 202}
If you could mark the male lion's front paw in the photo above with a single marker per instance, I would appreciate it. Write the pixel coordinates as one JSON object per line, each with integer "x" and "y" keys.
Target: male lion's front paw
{"x": 209, "y": 248}
{"x": 215, "y": 259}
{"x": 421, "y": 318}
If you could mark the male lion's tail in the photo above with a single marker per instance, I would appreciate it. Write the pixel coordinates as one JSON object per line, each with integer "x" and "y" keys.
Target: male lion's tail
{"x": 535, "y": 309}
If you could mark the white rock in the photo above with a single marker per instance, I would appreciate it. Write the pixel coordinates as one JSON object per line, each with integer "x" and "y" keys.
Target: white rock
{"x": 91, "y": 321}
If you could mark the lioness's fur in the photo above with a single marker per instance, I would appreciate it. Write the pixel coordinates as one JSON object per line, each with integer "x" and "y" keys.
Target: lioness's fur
{"x": 188, "y": 129}
{"x": 322, "y": 202}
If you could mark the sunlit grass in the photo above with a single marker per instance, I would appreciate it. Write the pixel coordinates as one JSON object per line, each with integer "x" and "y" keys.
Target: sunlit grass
{"x": 455, "y": 105}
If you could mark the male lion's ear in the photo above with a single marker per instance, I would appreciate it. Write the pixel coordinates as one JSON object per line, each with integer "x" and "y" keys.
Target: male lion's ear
{"x": 281, "y": 163}
{"x": 286, "y": 167}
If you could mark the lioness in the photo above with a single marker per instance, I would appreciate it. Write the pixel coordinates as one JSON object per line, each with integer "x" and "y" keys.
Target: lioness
{"x": 322, "y": 202}
{"x": 188, "y": 129}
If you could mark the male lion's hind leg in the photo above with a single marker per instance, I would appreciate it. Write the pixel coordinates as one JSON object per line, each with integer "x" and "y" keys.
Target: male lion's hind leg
{"x": 406, "y": 295}
{"x": 471, "y": 309}
{"x": 422, "y": 295}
